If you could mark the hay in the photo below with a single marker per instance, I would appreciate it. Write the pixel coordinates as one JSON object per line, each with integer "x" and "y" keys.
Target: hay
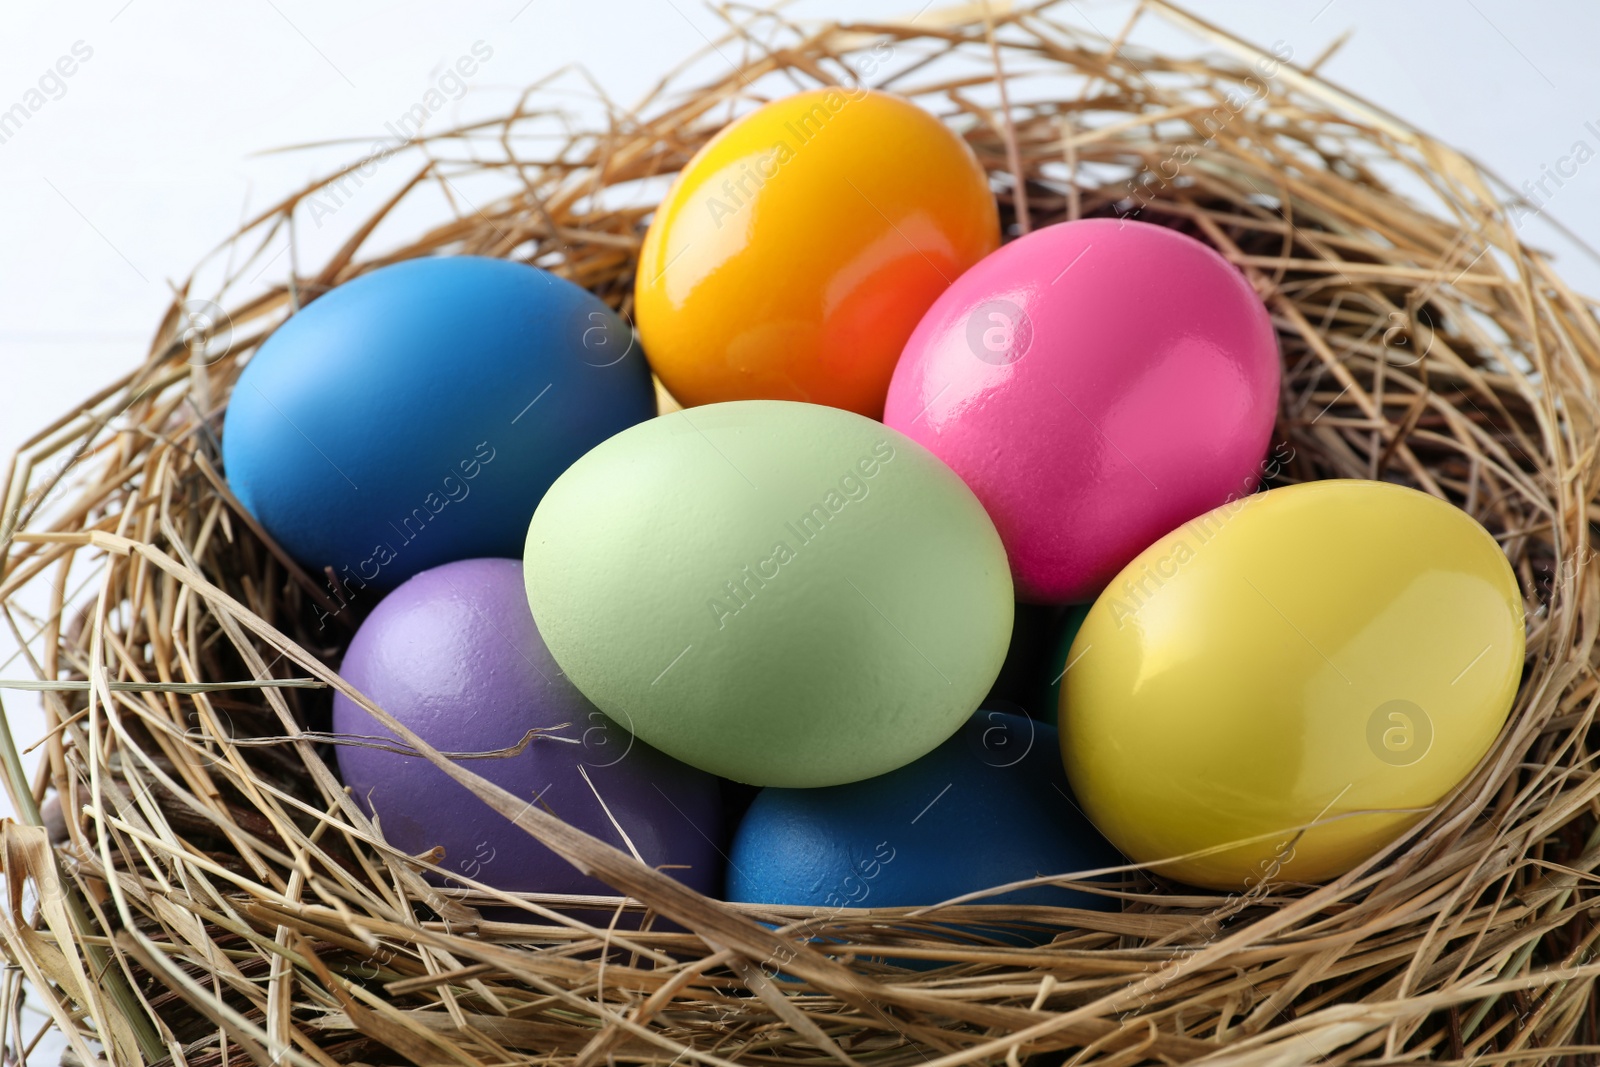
{"x": 198, "y": 889}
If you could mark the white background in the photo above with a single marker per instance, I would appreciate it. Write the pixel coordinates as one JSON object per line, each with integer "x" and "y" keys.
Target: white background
{"x": 152, "y": 154}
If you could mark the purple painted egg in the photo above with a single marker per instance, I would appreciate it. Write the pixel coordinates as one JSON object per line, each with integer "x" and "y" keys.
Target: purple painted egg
{"x": 454, "y": 654}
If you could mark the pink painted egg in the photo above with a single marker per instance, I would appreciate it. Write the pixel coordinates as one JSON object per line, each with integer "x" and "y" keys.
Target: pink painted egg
{"x": 1097, "y": 384}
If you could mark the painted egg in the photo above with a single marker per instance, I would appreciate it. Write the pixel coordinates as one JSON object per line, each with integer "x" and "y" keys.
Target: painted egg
{"x": 1096, "y": 383}
{"x": 986, "y": 808}
{"x": 454, "y": 655}
{"x": 778, "y": 593}
{"x": 416, "y": 414}
{"x": 799, "y": 247}
{"x": 1299, "y": 674}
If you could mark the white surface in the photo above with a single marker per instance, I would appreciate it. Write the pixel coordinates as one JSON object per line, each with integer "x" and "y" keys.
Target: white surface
{"x": 145, "y": 160}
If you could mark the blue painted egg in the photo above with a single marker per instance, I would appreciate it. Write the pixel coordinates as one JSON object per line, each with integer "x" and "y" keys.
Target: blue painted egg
{"x": 415, "y": 415}
{"x": 987, "y": 807}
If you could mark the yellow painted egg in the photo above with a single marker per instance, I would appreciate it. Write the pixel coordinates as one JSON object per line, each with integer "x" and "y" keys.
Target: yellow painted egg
{"x": 799, "y": 248}
{"x": 1279, "y": 688}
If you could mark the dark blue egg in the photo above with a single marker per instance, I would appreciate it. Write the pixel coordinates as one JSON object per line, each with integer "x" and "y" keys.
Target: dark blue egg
{"x": 988, "y": 807}
{"x": 415, "y": 415}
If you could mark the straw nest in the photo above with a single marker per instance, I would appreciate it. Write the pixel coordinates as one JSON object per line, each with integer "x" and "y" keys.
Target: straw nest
{"x": 189, "y": 883}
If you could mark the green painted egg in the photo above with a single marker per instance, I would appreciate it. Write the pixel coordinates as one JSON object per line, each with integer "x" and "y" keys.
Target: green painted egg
{"x": 779, "y": 593}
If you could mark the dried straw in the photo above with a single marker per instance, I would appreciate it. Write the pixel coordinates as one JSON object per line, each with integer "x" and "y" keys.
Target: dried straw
{"x": 198, "y": 887}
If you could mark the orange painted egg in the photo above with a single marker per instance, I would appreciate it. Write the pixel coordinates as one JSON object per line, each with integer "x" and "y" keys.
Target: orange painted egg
{"x": 799, "y": 248}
